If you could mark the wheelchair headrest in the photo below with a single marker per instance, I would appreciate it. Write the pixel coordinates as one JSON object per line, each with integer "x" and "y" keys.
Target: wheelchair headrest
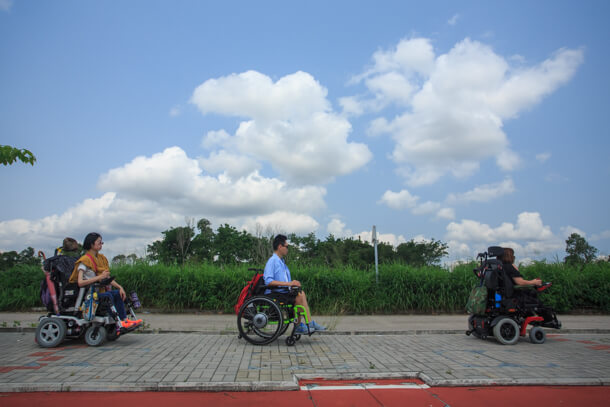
{"x": 495, "y": 251}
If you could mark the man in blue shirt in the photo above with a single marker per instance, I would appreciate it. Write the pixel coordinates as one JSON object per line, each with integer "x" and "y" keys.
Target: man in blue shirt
{"x": 277, "y": 275}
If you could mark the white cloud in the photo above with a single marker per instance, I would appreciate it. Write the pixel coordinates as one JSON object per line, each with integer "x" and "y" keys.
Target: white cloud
{"x": 151, "y": 194}
{"x": 405, "y": 200}
{"x": 175, "y": 111}
{"x": 446, "y": 213}
{"x": 389, "y": 238}
{"x": 282, "y": 221}
{"x": 484, "y": 193}
{"x": 456, "y": 104}
{"x": 291, "y": 125}
{"x": 5, "y": 5}
{"x": 337, "y": 228}
{"x": 543, "y": 157}
{"x": 176, "y": 181}
{"x": 233, "y": 165}
{"x": 215, "y": 139}
{"x": 566, "y": 231}
{"x": 399, "y": 200}
{"x": 529, "y": 236}
{"x": 454, "y": 19}
{"x": 601, "y": 236}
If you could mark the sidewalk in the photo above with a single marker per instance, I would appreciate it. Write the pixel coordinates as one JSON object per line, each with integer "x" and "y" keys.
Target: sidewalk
{"x": 202, "y": 352}
{"x": 342, "y": 324}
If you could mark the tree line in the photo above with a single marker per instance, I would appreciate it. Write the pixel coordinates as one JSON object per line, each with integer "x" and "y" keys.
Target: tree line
{"x": 198, "y": 243}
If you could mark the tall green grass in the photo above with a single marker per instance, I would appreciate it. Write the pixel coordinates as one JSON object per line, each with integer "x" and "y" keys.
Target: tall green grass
{"x": 401, "y": 289}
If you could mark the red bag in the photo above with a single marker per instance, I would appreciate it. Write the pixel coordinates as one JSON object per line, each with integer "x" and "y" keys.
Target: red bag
{"x": 254, "y": 287}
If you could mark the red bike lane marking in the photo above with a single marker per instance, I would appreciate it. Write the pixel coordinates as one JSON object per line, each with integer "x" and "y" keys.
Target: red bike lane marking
{"x": 507, "y": 396}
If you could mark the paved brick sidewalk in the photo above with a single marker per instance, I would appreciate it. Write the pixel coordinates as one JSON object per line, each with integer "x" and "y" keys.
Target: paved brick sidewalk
{"x": 195, "y": 361}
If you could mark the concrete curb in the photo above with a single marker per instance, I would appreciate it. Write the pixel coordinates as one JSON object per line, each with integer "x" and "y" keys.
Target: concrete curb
{"x": 286, "y": 385}
{"x": 404, "y": 332}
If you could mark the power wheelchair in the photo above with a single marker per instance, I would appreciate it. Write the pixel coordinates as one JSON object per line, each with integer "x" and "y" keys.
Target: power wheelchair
{"x": 263, "y": 318}
{"x": 76, "y": 312}
{"x": 508, "y": 309}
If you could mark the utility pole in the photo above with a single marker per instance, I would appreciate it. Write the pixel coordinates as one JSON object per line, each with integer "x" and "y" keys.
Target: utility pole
{"x": 376, "y": 259}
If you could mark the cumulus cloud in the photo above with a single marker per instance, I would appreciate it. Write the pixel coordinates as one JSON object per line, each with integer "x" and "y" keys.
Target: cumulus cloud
{"x": 528, "y": 235}
{"x": 337, "y": 228}
{"x": 601, "y": 235}
{"x": 177, "y": 181}
{"x": 290, "y": 124}
{"x": 484, "y": 193}
{"x": 456, "y": 104}
{"x": 150, "y": 194}
{"x": 405, "y": 200}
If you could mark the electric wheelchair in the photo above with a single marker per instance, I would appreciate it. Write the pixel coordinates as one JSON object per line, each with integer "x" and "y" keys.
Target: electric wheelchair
{"x": 262, "y": 318}
{"x": 74, "y": 311}
{"x": 506, "y": 310}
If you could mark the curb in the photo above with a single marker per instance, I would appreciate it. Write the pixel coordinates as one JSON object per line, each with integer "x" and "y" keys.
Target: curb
{"x": 407, "y": 332}
{"x": 285, "y": 385}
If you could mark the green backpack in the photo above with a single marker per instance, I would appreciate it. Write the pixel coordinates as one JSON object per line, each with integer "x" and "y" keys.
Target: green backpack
{"x": 477, "y": 302}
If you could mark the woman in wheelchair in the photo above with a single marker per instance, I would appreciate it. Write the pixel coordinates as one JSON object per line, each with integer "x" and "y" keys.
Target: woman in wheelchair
{"x": 525, "y": 296}
{"x": 92, "y": 268}
{"x": 277, "y": 275}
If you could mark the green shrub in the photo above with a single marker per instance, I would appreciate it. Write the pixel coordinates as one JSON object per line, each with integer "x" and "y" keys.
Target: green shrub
{"x": 401, "y": 289}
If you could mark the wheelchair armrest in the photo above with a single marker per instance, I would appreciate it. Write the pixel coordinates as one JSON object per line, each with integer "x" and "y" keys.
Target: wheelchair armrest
{"x": 104, "y": 282}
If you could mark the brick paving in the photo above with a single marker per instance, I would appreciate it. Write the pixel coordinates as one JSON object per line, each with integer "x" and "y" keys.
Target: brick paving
{"x": 197, "y": 361}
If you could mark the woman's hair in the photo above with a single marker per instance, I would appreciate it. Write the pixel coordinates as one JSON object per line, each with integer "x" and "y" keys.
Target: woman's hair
{"x": 90, "y": 239}
{"x": 279, "y": 240}
{"x": 508, "y": 256}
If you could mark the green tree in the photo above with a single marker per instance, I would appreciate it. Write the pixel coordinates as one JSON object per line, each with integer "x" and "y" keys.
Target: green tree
{"x": 174, "y": 248}
{"x": 232, "y": 246}
{"x": 119, "y": 259}
{"x": 579, "y": 250}
{"x": 8, "y": 155}
{"x": 203, "y": 243}
{"x": 421, "y": 253}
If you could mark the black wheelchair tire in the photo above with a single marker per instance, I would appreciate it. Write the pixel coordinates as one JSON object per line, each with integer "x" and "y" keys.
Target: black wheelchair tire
{"x": 270, "y": 318}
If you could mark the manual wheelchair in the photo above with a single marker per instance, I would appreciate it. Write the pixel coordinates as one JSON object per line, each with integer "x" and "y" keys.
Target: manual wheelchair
{"x": 508, "y": 310}
{"x": 263, "y": 318}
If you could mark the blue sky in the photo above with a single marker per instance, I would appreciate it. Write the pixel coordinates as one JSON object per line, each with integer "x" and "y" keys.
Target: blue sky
{"x": 471, "y": 122}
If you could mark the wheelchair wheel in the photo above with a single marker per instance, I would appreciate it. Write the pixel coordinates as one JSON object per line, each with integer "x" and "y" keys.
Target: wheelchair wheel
{"x": 111, "y": 333}
{"x": 290, "y": 340}
{"x": 95, "y": 335}
{"x": 260, "y": 321}
{"x": 50, "y": 332}
{"x": 506, "y": 331}
{"x": 537, "y": 335}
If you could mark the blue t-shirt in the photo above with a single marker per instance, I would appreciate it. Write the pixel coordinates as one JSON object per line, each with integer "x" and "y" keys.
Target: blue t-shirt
{"x": 276, "y": 270}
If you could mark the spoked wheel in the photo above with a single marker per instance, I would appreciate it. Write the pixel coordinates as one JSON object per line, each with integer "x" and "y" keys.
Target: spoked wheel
{"x": 51, "y": 332}
{"x": 260, "y": 321}
{"x": 537, "y": 335}
{"x": 95, "y": 335}
{"x": 506, "y": 331}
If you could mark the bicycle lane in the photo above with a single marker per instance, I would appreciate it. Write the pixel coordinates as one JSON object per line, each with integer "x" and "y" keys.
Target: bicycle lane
{"x": 540, "y": 396}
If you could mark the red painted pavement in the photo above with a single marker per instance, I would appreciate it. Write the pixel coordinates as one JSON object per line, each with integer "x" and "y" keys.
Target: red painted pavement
{"x": 538, "y": 396}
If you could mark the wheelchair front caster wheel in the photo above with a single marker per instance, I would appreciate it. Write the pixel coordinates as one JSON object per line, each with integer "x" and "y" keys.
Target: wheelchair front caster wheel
{"x": 290, "y": 341}
{"x": 297, "y": 337}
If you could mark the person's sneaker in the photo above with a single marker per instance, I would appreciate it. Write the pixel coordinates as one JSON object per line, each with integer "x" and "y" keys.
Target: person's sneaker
{"x": 127, "y": 324}
{"x": 317, "y": 326}
{"x": 302, "y": 329}
{"x": 135, "y": 321}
